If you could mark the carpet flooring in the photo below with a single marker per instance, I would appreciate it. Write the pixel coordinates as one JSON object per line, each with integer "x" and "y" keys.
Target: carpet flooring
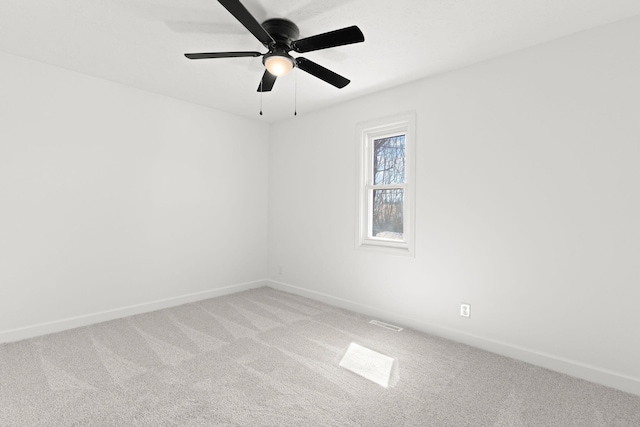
{"x": 268, "y": 358}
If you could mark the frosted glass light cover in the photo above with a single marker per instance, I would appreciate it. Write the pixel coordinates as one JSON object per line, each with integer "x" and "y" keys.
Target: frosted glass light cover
{"x": 278, "y": 65}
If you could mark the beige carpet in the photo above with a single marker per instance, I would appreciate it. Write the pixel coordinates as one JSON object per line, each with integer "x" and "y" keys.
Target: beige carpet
{"x": 268, "y": 358}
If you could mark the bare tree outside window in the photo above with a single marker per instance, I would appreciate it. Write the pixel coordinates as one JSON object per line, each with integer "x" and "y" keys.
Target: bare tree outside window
{"x": 388, "y": 202}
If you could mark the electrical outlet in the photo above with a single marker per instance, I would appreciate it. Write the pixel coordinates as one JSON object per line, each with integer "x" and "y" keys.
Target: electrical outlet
{"x": 465, "y": 310}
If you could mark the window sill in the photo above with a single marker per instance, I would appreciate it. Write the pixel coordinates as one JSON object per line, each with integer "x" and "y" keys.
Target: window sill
{"x": 387, "y": 246}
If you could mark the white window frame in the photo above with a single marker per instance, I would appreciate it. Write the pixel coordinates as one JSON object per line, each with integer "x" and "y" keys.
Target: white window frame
{"x": 402, "y": 124}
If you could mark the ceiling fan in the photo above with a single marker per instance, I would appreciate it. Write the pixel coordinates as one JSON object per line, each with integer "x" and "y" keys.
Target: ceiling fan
{"x": 280, "y": 36}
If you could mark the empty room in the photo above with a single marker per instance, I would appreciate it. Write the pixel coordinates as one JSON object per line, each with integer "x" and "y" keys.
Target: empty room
{"x": 320, "y": 213}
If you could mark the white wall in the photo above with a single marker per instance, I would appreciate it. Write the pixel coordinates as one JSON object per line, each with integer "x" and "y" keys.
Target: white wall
{"x": 528, "y": 206}
{"x": 527, "y": 203}
{"x": 112, "y": 197}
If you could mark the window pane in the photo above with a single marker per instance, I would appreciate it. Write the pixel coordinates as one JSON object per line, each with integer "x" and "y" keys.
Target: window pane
{"x": 388, "y": 160}
{"x": 388, "y": 206}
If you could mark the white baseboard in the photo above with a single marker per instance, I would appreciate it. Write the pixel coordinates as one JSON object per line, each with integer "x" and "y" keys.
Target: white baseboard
{"x": 103, "y": 316}
{"x": 549, "y": 361}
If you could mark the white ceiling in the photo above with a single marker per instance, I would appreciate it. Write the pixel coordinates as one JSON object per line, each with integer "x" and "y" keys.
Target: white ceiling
{"x": 140, "y": 43}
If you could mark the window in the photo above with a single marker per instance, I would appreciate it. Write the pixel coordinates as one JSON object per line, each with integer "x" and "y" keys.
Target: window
{"x": 386, "y": 184}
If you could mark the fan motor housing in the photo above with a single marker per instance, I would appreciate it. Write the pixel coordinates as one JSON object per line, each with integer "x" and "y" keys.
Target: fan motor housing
{"x": 282, "y": 30}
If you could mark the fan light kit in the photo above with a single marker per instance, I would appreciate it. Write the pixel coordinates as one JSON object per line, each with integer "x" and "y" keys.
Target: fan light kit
{"x": 278, "y": 65}
{"x": 280, "y": 36}
{"x": 279, "y": 62}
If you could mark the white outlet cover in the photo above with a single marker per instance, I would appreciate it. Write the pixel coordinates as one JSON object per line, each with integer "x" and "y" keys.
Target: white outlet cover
{"x": 465, "y": 310}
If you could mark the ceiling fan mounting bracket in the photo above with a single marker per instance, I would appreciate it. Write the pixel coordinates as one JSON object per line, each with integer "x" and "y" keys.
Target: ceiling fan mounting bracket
{"x": 282, "y": 31}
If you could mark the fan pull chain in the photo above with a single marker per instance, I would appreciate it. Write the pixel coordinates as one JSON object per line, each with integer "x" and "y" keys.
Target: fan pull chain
{"x": 261, "y": 97}
{"x": 295, "y": 95}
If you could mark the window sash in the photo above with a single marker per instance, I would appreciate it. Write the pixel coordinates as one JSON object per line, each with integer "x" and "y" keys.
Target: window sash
{"x": 371, "y": 221}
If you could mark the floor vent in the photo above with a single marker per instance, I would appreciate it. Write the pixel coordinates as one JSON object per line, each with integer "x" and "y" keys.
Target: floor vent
{"x": 386, "y": 325}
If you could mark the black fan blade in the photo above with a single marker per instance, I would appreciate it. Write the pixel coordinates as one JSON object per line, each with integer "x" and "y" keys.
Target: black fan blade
{"x": 242, "y": 14}
{"x": 221, "y": 55}
{"x": 341, "y": 37}
{"x": 267, "y": 82}
{"x": 322, "y": 73}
